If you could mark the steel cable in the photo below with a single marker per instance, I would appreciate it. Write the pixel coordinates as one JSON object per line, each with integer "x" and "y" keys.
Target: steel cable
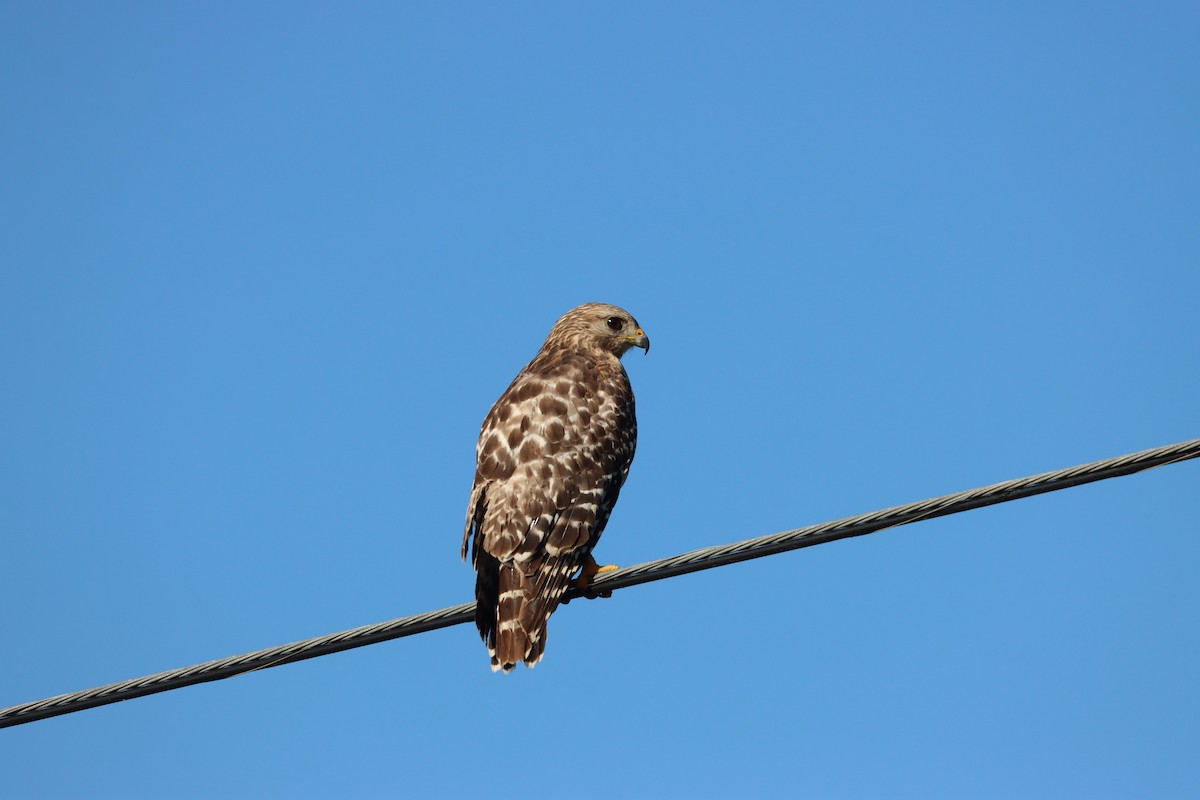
{"x": 604, "y": 584}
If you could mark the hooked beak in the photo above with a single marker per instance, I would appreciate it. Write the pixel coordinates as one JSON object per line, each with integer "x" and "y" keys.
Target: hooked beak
{"x": 639, "y": 339}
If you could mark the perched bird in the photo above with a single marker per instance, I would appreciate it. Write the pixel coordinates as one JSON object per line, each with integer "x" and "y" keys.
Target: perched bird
{"x": 552, "y": 456}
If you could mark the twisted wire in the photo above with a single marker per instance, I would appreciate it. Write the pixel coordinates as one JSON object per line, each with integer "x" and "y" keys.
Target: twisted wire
{"x": 606, "y": 583}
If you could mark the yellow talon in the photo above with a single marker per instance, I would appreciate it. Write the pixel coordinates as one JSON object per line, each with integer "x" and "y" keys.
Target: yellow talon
{"x": 590, "y": 570}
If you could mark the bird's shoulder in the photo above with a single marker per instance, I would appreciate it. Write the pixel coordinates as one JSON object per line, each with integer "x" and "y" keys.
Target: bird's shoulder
{"x": 568, "y": 374}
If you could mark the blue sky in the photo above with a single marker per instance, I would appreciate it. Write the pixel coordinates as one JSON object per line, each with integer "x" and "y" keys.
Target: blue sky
{"x": 266, "y": 267}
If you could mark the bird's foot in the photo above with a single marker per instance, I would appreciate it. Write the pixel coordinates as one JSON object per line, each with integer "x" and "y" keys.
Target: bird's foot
{"x": 590, "y": 570}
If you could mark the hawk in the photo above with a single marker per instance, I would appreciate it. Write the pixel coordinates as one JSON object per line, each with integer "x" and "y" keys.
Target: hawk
{"x": 552, "y": 456}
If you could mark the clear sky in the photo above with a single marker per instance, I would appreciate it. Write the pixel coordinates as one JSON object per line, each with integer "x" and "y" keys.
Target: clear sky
{"x": 265, "y": 267}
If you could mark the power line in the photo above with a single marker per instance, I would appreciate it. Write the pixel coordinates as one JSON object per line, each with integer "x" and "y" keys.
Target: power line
{"x": 696, "y": 560}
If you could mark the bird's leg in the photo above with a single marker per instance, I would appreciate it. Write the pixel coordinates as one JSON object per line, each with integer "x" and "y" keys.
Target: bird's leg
{"x": 590, "y": 570}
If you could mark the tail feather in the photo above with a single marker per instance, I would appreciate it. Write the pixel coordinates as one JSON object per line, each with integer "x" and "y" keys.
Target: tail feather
{"x": 514, "y": 604}
{"x": 512, "y": 638}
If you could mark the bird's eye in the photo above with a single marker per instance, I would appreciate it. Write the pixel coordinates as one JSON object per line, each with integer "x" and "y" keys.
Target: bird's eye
{"x": 614, "y": 323}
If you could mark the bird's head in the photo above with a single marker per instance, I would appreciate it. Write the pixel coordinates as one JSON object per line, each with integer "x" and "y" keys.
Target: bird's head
{"x": 599, "y": 326}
